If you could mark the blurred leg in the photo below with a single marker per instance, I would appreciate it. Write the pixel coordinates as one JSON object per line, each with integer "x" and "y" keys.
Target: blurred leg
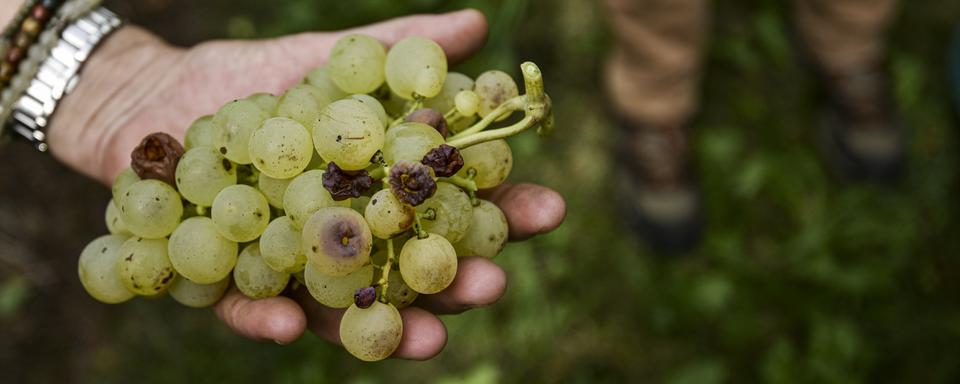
{"x": 654, "y": 70}
{"x": 845, "y": 40}
{"x": 653, "y": 79}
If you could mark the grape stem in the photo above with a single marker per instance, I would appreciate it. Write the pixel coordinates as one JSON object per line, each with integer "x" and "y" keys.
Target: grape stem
{"x": 385, "y": 272}
{"x": 462, "y": 182}
{"x": 418, "y": 227}
{"x": 535, "y": 105}
{"x": 411, "y": 107}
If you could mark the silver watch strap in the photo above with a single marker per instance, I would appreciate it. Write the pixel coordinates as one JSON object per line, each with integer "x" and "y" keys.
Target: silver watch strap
{"x": 58, "y": 74}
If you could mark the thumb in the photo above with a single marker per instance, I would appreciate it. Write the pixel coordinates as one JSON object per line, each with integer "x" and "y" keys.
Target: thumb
{"x": 459, "y": 33}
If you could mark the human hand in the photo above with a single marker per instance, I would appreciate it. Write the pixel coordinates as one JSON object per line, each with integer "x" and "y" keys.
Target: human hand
{"x": 135, "y": 85}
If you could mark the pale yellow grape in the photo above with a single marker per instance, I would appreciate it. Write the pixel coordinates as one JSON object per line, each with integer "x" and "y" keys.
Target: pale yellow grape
{"x": 196, "y": 295}
{"x": 348, "y": 133}
{"x": 371, "y": 334}
{"x": 303, "y": 103}
{"x": 266, "y": 101}
{"x": 281, "y": 246}
{"x": 235, "y": 122}
{"x": 281, "y": 148}
{"x": 374, "y": 105}
{"x": 97, "y": 269}
{"x": 336, "y": 292}
{"x": 428, "y": 265}
{"x": 143, "y": 266}
{"x": 320, "y": 77}
{"x": 487, "y": 234}
{"x": 452, "y": 210}
{"x": 201, "y": 134}
{"x": 254, "y": 278}
{"x": 151, "y": 208}
{"x": 305, "y": 195}
{"x": 202, "y": 173}
{"x": 123, "y": 180}
{"x": 387, "y": 216}
{"x": 359, "y": 204}
{"x": 273, "y": 189}
{"x": 337, "y": 241}
{"x": 467, "y": 103}
{"x": 199, "y": 252}
{"x": 494, "y": 88}
{"x": 416, "y": 67}
{"x": 455, "y": 83}
{"x": 492, "y": 161}
{"x": 241, "y": 213}
{"x": 398, "y": 292}
{"x": 115, "y": 223}
{"x": 356, "y": 63}
{"x": 410, "y": 141}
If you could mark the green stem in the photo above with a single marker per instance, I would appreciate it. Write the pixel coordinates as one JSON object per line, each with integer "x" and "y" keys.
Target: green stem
{"x": 499, "y": 133}
{"x": 385, "y": 272}
{"x": 378, "y": 173}
{"x": 412, "y": 106}
{"x": 462, "y": 182}
{"x": 418, "y": 227}
{"x": 507, "y": 107}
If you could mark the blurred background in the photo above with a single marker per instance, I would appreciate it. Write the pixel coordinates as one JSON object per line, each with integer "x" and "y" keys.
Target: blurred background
{"x": 801, "y": 278}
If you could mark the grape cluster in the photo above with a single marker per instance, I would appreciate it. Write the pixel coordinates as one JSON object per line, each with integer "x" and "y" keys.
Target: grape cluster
{"x": 360, "y": 182}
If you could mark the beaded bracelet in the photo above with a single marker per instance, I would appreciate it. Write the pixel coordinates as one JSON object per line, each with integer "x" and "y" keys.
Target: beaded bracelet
{"x": 21, "y": 34}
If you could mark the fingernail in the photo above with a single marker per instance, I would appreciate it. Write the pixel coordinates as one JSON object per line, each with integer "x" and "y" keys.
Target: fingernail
{"x": 279, "y": 342}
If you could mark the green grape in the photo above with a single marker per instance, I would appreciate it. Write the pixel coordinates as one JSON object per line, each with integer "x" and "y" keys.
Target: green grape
{"x": 348, "y": 133}
{"x": 202, "y": 173}
{"x": 492, "y": 161}
{"x": 143, "y": 266}
{"x": 302, "y": 103}
{"x": 494, "y": 88}
{"x": 467, "y": 103}
{"x": 371, "y": 334}
{"x": 398, "y": 292}
{"x": 266, "y": 101}
{"x": 452, "y": 209}
{"x": 281, "y": 246}
{"x": 320, "y": 77}
{"x": 374, "y": 105}
{"x": 201, "y": 134}
{"x": 235, "y": 122}
{"x": 455, "y": 83}
{"x": 125, "y": 179}
{"x": 387, "y": 216}
{"x": 410, "y": 141}
{"x": 115, "y": 223}
{"x": 98, "y": 270}
{"x": 281, "y": 148}
{"x": 337, "y": 241}
{"x": 316, "y": 162}
{"x": 254, "y": 278}
{"x": 196, "y": 295}
{"x": 199, "y": 252}
{"x": 488, "y": 232}
{"x": 428, "y": 265}
{"x": 300, "y": 278}
{"x": 336, "y": 292}
{"x": 416, "y": 67}
{"x": 394, "y": 104}
{"x": 241, "y": 213}
{"x": 273, "y": 189}
{"x": 151, "y": 208}
{"x": 356, "y": 63}
{"x": 305, "y": 195}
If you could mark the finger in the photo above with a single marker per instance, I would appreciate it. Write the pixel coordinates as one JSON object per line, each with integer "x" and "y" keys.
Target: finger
{"x": 530, "y": 209}
{"x": 424, "y": 335}
{"x": 479, "y": 282}
{"x": 274, "y": 318}
{"x": 460, "y": 34}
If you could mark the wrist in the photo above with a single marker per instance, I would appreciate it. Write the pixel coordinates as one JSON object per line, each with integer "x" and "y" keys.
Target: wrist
{"x": 89, "y": 121}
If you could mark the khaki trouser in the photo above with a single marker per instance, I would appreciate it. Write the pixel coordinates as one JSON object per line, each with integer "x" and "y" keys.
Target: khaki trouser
{"x": 654, "y": 73}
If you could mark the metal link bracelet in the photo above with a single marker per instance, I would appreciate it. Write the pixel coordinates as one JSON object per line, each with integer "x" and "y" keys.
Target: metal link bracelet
{"x": 58, "y": 74}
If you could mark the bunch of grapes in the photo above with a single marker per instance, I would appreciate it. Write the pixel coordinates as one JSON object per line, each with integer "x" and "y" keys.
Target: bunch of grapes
{"x": 360, "y": 183}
